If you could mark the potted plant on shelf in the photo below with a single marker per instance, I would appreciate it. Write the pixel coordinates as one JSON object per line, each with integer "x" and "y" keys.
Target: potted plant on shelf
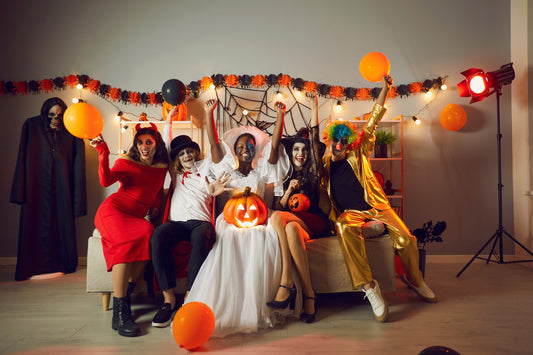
{"x": 383, "y": 139}
{"x": 429, "y": 233}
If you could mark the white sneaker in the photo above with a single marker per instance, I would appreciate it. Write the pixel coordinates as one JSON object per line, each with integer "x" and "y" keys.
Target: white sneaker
{"x": 379, "y": 306}
{"x": 423, "y": 291}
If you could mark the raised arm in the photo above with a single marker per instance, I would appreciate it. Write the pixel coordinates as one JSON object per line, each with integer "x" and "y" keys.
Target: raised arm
{"x": 217, "y": 152}
{"x": 379, "y": 110}
{"x": 314, "y": 135}
{"x": 278, "y": 131}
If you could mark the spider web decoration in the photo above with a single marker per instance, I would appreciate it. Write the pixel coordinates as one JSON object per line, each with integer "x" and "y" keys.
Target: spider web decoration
{"x": 239, "y": 106}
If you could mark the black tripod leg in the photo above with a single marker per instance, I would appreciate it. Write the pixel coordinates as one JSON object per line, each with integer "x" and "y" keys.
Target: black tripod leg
{"x": 517, "y": 242}
{"x": 475, "y": 256}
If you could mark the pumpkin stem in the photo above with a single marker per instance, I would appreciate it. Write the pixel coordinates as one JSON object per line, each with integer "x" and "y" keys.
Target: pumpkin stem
{"x": 246, "y": 191}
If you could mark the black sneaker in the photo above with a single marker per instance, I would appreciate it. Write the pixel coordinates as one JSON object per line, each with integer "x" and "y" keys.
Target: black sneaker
{"x": 163, "y": 317}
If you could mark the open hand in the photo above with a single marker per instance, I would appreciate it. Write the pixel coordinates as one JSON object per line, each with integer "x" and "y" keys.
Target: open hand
{"x": 218, "y": 186}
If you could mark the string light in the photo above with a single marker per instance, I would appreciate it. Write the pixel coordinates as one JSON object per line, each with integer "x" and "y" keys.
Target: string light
{"x": 245, "y": 112}
{"x": 118, "y": 117}
{"x": 124, "y": 128}
{"x": 416, "y": 120}
{"x": 338, "y": 106}
{"x": 79, "y": 86}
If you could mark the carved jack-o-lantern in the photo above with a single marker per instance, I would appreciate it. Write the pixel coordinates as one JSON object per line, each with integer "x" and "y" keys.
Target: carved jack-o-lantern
{"x": 246, "y": 209}
{"x": 299, "y": 203}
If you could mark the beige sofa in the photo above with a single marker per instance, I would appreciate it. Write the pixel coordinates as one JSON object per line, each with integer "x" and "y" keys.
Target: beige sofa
{"x": 326, "y": 264}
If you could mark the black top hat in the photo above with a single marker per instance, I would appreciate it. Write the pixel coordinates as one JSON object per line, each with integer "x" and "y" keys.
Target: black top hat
{"x": 181, "y": 142}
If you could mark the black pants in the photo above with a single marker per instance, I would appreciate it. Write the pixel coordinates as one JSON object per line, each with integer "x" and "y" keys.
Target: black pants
{"x": 201, "y": 234}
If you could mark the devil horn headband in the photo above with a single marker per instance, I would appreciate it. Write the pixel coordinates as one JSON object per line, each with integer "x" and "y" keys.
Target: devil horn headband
{"x": 138, "y": 127}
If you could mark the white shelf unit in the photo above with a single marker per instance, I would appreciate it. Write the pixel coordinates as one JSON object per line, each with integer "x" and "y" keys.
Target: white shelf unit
{"x": 192, "y": 127}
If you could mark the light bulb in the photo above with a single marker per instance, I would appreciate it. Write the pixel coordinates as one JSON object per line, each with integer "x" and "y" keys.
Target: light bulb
{"x": 429, "y": 94}
{"x": 417, "y": 120}
{"x": 118, "y": 117}
{"x": 123, "y": 129}
{"x": 298, "y": 93}
{"x": 212, "y": 86}
{"x": 75, "y": 100}
{"x": 279, "y": 95}
{"x": 338, "y": 106}
{"x": 79, "y": 86}
{"x": 443, "y": 87}
{"x": 245, "y": 112}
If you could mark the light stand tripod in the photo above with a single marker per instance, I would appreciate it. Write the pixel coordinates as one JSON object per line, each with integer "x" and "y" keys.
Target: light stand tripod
{"x": 497, "y": 237}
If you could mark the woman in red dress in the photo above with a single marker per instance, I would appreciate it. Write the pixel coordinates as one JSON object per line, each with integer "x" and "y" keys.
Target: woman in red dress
{"x": 121, "y": 217}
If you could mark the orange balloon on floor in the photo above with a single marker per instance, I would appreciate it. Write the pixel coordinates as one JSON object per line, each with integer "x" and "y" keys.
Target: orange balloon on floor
{"x": 374, "y": 66}
{"x": 453, "y": 117}
{"x": 83, "y": 120}
{"x": 193, "y": 325}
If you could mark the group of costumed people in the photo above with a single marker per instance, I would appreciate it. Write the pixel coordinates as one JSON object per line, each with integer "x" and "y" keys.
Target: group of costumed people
{"x": 244, "y": 275}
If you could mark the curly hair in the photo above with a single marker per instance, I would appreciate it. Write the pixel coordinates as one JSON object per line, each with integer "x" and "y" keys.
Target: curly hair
{"x": 161, "y": 154}
{"x": 340, "y": 129}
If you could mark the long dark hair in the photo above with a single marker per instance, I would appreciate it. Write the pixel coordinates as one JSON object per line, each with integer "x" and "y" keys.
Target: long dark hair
{"x": 161, "y": 155}
{"x": 48, "y": 104}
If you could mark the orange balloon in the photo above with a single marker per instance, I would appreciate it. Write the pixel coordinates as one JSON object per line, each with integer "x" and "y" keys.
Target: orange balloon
{"x": 83, "y": 120}
{"x": 193, "y": 325}
{"x": 453, "y": 117}
{"x": 374, "y": 66}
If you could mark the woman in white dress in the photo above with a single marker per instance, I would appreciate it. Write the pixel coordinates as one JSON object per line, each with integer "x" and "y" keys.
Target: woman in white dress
{"x": 242, "y": 271}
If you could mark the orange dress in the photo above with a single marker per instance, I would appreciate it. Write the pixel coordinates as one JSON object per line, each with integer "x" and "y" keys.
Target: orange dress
{"x": 120, "y": 219}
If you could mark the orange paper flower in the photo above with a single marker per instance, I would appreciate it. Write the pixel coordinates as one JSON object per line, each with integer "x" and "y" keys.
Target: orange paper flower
{"x": 285, "y": 80}
{"x": 415, "y": 87}
{"x": 206, "y": 83}
{"x": 310, "y": 86}
{"x": 46, "y": 85}
{"x": 336, "y": 91}
{"x": 21, "y": 88}
{"x": 363, "y": 94}
{"x": 71, "y": 80}
{"x": 152, "y": 98}
{"x": 114, "y": 94}
{"x": 93, "y": 85}
{"x": 258, "y": 80}
{"x": 232, "y": 80}
{"x": 134, "y": 98}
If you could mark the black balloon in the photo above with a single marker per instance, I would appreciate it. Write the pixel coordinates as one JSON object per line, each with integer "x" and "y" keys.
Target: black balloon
{"x": 438, "y": 350}
{"x": 174, "y": 92}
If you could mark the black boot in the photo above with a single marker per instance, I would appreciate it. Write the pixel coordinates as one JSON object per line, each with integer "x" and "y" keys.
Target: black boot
{"x": 129, "y": 291}
{"x": 122, "y": 320}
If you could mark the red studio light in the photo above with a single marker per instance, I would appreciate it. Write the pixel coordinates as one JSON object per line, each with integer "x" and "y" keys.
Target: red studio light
{"x": 479, "y": 84}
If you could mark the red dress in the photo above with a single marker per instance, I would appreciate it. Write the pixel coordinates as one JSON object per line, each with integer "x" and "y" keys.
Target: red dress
{"x": 120, "y": 218}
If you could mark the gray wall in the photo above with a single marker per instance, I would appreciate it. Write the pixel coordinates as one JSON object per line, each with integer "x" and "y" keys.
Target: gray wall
{"x": 137, "y": 45}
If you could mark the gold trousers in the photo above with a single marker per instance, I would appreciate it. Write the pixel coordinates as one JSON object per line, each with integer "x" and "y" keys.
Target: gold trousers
{"x": 348, "y": 227}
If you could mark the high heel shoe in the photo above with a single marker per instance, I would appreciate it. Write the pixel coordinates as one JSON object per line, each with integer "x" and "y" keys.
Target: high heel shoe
{"x": 283, "y": 304}
{"x": 308, "y": 317}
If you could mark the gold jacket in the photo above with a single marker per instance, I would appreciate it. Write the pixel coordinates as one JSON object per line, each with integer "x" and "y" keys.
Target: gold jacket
{"x": 359, "y": 160}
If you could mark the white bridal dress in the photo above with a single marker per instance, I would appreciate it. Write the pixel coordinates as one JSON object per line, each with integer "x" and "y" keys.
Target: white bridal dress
{"x": 243, "y": 269}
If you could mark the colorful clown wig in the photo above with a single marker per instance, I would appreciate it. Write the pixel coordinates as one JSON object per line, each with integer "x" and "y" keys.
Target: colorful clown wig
{"x": 340, "y": 129}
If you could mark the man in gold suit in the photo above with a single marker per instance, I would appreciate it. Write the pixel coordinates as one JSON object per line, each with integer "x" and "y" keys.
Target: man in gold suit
{"x": 357, "y": 197}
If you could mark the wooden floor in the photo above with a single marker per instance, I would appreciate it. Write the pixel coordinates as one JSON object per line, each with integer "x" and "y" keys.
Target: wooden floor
{"x": 487, "y": 310}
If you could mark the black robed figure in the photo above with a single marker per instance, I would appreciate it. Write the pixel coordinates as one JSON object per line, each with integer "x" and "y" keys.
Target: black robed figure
{"x": 50, "y": 185}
